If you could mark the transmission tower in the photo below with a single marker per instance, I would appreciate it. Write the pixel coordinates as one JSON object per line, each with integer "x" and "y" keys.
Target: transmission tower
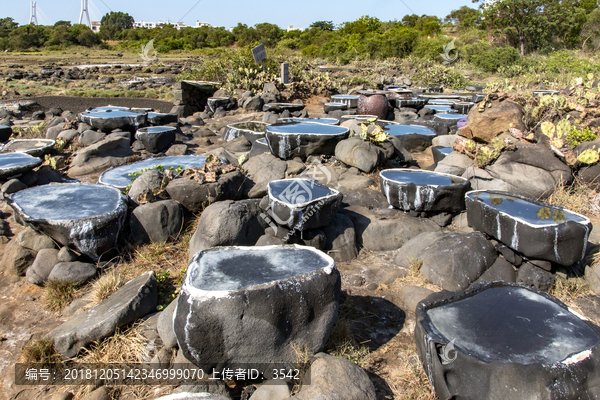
{"x": 84, "y": 10}
{"x": 33, "y": 13}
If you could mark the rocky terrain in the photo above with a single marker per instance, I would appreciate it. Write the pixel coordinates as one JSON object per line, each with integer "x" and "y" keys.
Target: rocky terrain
{"x": 107, "y": 213}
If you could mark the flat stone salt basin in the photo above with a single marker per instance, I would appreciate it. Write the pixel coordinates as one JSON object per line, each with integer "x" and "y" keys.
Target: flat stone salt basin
{"x": 109, "y": 120}
{"x": 249, "y": 306}
{"x": 424, "y": 191}
{"x": 120, "y": 177}
{"x": 12, "y": 164}
{"x": 87, "y": 217}
{"x": 412, "y": 137}
{"x": 156, "y": 138}
{"x": 302, "y": 204}
{"x": 252, "y": 131}
{"x": 532, "y": 228}
{"x": 302, "y": 139}
{"x": 33, "y": 147}
{"x": 501, "y": 340}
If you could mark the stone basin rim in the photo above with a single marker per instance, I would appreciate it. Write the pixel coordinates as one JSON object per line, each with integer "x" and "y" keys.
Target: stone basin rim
{"x": 202, "y": 295}
{"x": 426, "y": 305}
{"x": 100, "y": 182}
{"x": 232, "y": 126}
{"x": 26, "y": 217}
{"x": 343, "y": 132}
{"x": 422, "y": 171}
{"x": 301, "y": 205}
{"x": 585, "y": 221}
{"x": 49, "y": 143}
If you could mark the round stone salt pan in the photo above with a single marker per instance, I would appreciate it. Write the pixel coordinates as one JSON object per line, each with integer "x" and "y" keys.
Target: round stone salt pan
{"x": 65, "y": 202}
{"x": 307, "y": 128}
{"x": 107, "y": 108}
{"x": 304, "y": 191}
{"x": 33, "y": 147}
{"x": 398, "y": 130}
{"x": 420, "y": 177}
{"x": 513, "y": 324}
{"x": 120, "y": 177}
{"x": 17, "y": 163}
{"x": 217, "y": 271}
{"x": 528, "y": 211}
{"x": 326, "y": 121}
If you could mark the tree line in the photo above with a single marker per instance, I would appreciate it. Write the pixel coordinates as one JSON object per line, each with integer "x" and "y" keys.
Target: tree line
{"x": 507, "y": 29}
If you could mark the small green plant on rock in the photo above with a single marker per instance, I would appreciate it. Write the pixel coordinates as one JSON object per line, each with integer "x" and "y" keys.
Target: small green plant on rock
{"x": 577, "y": 136}
{"x": 372, "y": 132}
{"x": 589, "y": 156}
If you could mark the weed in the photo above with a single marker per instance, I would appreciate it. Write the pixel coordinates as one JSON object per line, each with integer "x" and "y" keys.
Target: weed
{"x": 59, "y": 294}
{"x": 415, "y": 265}
{"x": 39, "y": 351}
{"x": 578, "y": 197}
{"x": 106, "y": 285}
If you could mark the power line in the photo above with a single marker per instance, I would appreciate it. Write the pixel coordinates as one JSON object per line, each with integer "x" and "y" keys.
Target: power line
{"x": 111, "y": 8}
{"x": 407, "y": 6}
{"x": 181, "y": 19}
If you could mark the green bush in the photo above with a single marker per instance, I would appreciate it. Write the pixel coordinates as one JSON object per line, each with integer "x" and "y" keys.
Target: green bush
{"x": 311, "y": 51}
{"x": 578, "y": 136}
{"x": 491, "y": 60}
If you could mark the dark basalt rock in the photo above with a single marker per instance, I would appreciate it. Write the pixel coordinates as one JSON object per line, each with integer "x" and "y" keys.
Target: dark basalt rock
{"x": 250, "y": 130}
{"x": 439, "y": 153}
{"x": 107, "y": 121}
{"x": 33, "y": 147}
{"x": 439, "y": 127}
{"x": 247, "y": 306}
{"x": 304, "y": 139}
{"x": 120, "y": 177}
{"x": 86, "y": 217}
{"x": 326, "y": 121}
{"x": 259, "y": 147}
{"x": 158, "y": 119}
{"x": 156, "y": 138}
{"x": 349, "y": 100}
{"x": 532, "y": 228}
{"x": 450, "y": 120}
{"x": 424, "y": 191}
{"x": 226, "y": 103}
{"x": 412, "y": 137}
{"x": 498, "y": 339}
{"x": 463, "y": 107}
{"x": 17, "y": 163}
{"x": 302, "y": 204}
{"x": 5, "y": 133}
{"x": 281, "y": 107}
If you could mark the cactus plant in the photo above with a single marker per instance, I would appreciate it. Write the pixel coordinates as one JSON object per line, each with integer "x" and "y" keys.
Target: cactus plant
{"x": 589, "y": 156}
{"x": 548, "y": 129}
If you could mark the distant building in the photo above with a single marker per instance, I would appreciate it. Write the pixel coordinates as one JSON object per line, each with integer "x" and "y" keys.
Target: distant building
{"x": 291, "y": 28}
{"x": 162, "y": 24}
{"x": 95, "y": 26}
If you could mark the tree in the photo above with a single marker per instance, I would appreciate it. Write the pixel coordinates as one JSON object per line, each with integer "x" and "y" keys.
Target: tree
{"x": 323, "y": 25}
{"x": 62, "y": 23}
{"x": 591, "y": 29}
{"x": 429, "y": 25}
{"x": 535, "y": 24}
{"x": 465, "y": 17}
{"x": 115, "y": 22}
{"x": 7, "y": 25}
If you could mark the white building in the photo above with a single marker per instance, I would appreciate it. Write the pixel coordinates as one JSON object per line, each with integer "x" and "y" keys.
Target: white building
{"x": 291, "y": 28}
{"x": 200, "y": 24}
{"x": 95, "y": 26}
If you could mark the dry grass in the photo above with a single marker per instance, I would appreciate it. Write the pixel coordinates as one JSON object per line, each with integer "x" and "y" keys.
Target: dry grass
{"x": 408, "y": 380}
{"x": 579, "y": 197}
{"x": 39, "y": 351}
{"x": 128, "y": 346}
{"x": 106, "y": 285}
{"x": 415, "y": 265}
{"x": 59, "y": 294}
{"x": 342, "y": 343}
{"x": 568, "y": 290}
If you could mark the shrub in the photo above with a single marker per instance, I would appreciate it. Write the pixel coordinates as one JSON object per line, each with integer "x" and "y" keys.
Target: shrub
{"x": 491, "y": 60}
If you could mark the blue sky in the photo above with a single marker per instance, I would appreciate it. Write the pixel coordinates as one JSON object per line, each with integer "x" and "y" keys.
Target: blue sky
{"x": 228, "y": 13}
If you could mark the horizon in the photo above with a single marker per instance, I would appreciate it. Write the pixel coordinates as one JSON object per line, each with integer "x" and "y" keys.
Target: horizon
{"x": 188, "y": 12}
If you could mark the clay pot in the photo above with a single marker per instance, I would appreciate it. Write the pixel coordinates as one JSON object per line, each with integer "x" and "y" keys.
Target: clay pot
{"x": 373, "y": 102}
